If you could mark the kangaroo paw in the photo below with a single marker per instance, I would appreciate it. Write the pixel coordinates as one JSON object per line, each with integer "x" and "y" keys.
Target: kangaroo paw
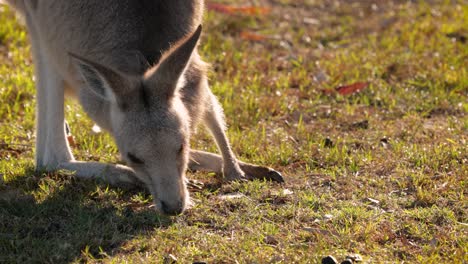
{"x": 234, "y": 175}
{"x": 259, "y": 172}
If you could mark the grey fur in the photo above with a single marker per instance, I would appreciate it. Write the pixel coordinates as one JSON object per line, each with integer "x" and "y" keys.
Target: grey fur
{"x": 134, "y": 67}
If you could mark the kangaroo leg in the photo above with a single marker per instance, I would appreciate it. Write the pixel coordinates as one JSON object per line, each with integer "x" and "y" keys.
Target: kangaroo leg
{"x": 214, "y": 120}
{"x": 56, "y": 152}
{"x": 114, "y": 174}
{"x": 51, "y": 144}
{"x": 227, "y": 162}
{"x": 56, "y": 149}
{"x": 52, "y": 149}
{"x": 41, "y": 103}
{"x": 205, "y": 161}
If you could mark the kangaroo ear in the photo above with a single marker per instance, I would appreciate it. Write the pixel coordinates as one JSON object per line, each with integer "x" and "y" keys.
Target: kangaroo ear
{"x": 103, "y": 81}
{"x": 165, "y": 76}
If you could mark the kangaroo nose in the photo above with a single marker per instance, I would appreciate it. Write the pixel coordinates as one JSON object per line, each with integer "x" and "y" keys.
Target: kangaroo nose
{"x": 168, "y": 210}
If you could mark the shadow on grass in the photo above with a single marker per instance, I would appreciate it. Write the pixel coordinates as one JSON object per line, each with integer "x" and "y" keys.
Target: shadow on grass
{"x": 71, "y": 223}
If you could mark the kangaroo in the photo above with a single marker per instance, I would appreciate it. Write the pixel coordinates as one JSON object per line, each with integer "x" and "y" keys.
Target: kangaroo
{"x": 134, "y": 67}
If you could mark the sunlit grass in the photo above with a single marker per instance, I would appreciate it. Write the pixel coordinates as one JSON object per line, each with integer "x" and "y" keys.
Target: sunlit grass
{"x": 381, "y": 173}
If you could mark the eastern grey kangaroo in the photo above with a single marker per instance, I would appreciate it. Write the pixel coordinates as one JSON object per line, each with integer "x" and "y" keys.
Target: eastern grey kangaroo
{"x": 134, "y": 67}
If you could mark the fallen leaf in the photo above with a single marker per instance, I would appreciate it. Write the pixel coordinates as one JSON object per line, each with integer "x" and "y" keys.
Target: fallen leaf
{"x": 352, "y": 88}
{"x": 247, "y": 35}
{"x": 232, "y": 10}
{"x": 221, "y": 8}
{"x": 71, "y": 141}
{"x": 328, "y": 91}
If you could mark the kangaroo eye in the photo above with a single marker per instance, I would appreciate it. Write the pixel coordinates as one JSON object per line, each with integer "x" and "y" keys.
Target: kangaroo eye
{"x": 134, "y": 159}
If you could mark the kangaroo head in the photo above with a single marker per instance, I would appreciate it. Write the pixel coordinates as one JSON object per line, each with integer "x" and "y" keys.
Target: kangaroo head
{"x": 149, "y": 122}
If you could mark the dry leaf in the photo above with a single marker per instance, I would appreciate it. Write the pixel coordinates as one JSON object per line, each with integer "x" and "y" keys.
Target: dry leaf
{"x": 71, "y": 141}
{"x": 232, "y": 10}
{"x": 352, "y": 88}
{"x": 247, "y": 35}
{"x": 328, "y": 91}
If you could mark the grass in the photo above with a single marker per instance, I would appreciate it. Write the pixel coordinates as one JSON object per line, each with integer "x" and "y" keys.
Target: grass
{"x": 381, "y": 173}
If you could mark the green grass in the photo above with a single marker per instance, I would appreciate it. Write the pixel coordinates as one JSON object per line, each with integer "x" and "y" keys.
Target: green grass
{"x": 391, "y": 186}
